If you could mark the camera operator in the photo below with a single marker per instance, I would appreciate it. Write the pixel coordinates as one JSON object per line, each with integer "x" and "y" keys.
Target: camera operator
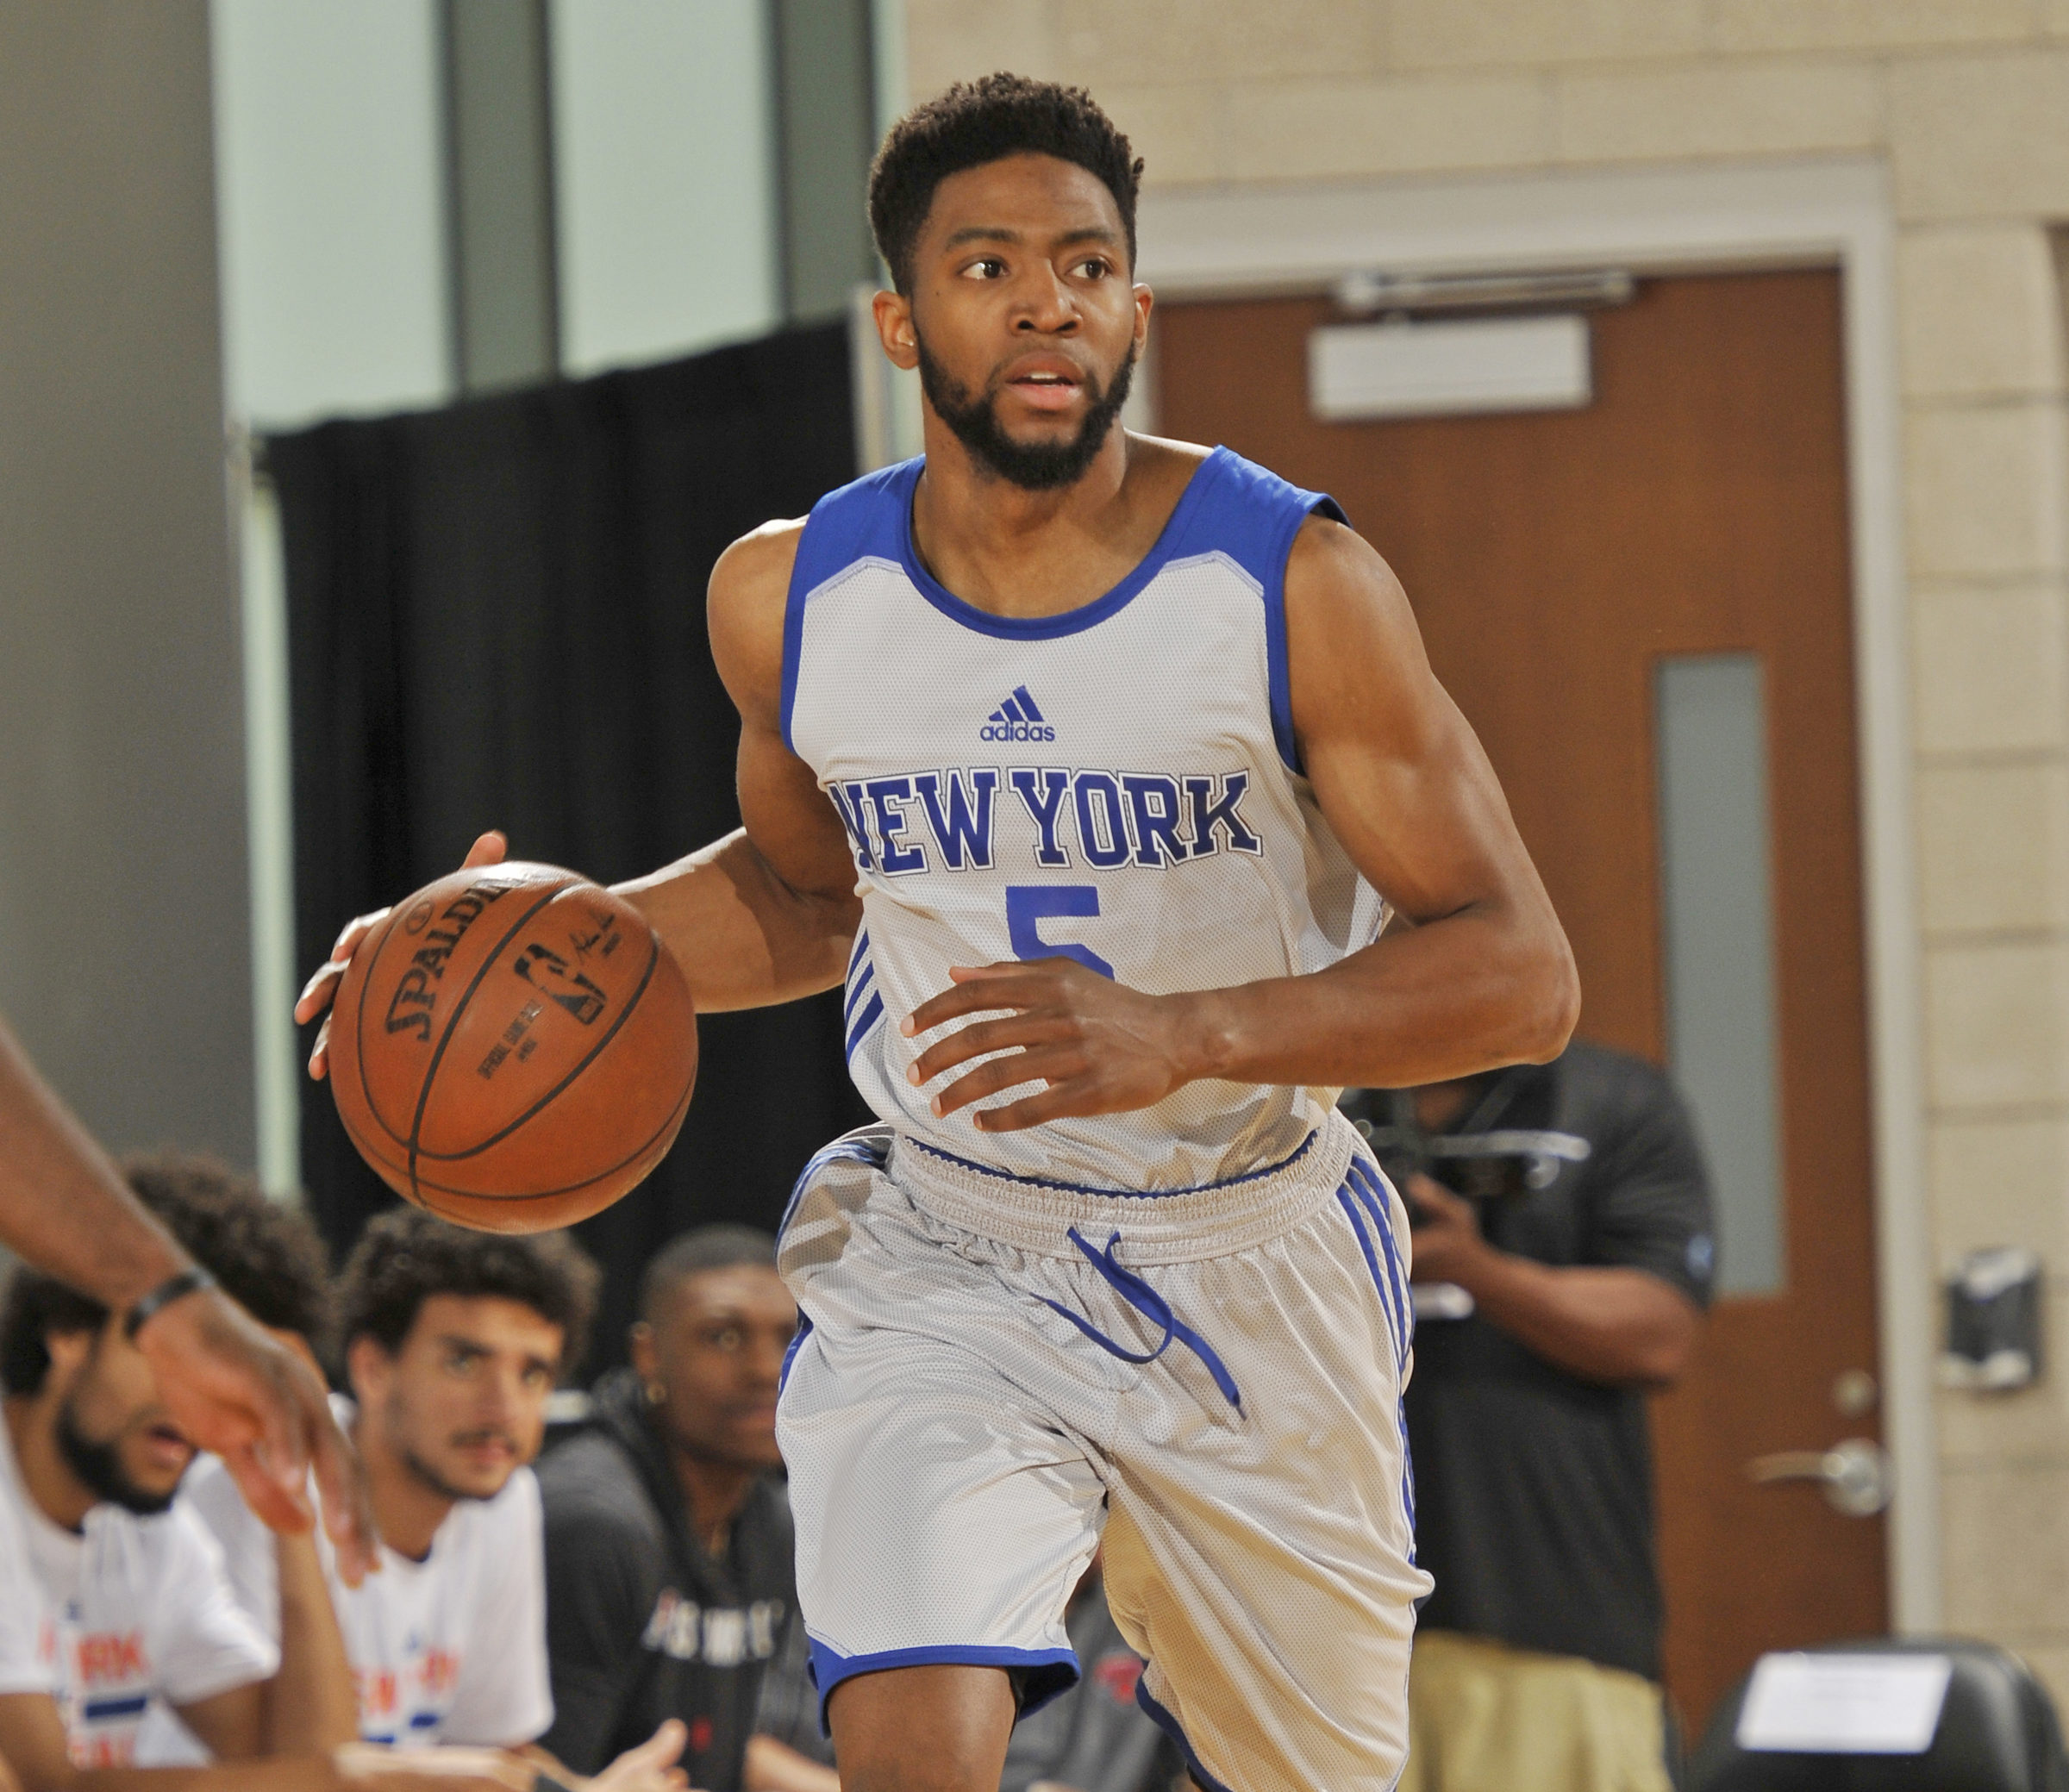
{"x": 1562, "y": 1259}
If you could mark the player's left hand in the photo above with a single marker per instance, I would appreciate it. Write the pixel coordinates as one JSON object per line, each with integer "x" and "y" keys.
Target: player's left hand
{"x": 1446, "y": 1241}
{"x": 1099, "y": 1045}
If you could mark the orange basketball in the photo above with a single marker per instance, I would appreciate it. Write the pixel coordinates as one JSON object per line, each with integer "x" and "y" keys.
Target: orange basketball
{"x": 513, "y": 1048}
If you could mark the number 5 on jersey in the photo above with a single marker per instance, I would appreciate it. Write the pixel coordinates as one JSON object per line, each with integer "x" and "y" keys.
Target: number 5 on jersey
{"x": 1027, "y": 905}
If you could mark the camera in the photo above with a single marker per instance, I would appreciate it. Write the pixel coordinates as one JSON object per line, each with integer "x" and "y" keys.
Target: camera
{"x": 1500, "y": 1164}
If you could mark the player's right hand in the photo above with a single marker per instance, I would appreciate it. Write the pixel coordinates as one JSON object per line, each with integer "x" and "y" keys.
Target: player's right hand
{"x": 317, "y": 995}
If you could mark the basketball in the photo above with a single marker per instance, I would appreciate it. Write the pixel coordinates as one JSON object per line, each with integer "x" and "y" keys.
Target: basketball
{"x": 513, "y": 1048}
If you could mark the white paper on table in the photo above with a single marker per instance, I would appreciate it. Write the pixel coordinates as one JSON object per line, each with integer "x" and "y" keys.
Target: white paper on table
{"x": 1844, "y": 1704}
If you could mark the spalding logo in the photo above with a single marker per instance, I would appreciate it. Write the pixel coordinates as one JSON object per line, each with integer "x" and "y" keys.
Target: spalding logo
{"x": 415, "y": 998}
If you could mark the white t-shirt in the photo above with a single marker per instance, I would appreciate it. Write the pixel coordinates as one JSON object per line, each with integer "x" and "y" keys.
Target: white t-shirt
{"x": 23, "y": 1609}
{"x": 134, "y": 1615}
{"x": 450, "y": 1649}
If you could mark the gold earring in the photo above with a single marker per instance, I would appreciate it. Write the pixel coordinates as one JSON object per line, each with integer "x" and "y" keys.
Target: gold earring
{"x": 656, "y": 1394}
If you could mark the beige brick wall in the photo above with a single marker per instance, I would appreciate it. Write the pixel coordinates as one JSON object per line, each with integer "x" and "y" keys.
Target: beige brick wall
{"x": 1968, "y": 102}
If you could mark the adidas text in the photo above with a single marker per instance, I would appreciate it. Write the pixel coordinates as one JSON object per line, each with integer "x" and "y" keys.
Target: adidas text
{"x": 1017, "y": 731}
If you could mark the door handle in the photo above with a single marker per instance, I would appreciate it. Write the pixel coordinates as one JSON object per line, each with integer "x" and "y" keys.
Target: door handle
{"x": 1855, "y": 1475}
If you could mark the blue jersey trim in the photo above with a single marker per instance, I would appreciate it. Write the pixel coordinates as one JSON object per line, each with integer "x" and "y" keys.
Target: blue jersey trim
{"x": 845, "y": 526}
{"x": 872, "y": 1012}
{"x": 99, "y": 1711}
{"x": 1283, "y": 510}
{"x": 1171, "y": 1726}
{"x": 1371, "y": 1262}
{"x": 859, "y": 981}
{"x": 1038, "y": 1181}
{"x": 1046, "y": 1672}
{"x": 790, "y": 1354}
{"x": 855, "y": 1147}
{"x": 1255, "y": 524}
{"x": 1207, "y": 475}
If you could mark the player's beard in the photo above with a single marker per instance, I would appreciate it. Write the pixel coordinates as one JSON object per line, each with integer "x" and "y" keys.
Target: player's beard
{"x": 1032, "y": 466}
{"x": 99, "y": 1466}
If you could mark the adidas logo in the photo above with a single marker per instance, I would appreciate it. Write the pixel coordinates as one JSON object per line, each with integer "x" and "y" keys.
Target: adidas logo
{"x": 1017, "y": 719}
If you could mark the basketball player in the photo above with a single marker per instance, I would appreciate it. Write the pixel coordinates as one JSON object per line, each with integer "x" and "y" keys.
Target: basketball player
{"x": 1091, "y": 763}
{"x": 233, "y": 1390}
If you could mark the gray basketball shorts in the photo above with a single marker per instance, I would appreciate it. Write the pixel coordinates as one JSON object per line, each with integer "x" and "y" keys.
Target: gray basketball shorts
{"x": 992, "y": 1373}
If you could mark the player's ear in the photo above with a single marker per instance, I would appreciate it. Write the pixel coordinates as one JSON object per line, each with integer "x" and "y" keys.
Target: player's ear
{"x": 892, "y": 312}
{"x": 68, "y": 1352}
{"x": 366, "y": 1368}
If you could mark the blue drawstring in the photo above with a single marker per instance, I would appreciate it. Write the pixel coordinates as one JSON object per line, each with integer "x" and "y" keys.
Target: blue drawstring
{"x": 1153, "y": 1307}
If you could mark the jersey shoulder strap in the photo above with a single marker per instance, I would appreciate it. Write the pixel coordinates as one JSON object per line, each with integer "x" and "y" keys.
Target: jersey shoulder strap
{"x": 863, "y": 520}
{"x": 1251, "y": 516}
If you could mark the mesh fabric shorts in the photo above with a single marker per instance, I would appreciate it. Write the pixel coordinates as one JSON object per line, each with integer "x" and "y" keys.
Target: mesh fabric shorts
{"x": 992, "y": 1372}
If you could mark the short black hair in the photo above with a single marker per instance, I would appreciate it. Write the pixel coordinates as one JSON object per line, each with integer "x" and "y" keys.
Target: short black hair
{"x": 266, "y": 1254}
{"x": 406, "y": 1256}
{"x": 707, "y": 1247}
{"x": 985, "y": 121}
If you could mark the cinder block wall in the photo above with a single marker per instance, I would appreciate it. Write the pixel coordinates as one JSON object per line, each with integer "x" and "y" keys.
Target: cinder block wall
{"x": 1968, "y": 100}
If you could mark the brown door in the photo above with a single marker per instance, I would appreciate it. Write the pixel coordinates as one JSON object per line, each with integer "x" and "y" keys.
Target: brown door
{"x": 1698, "y": 507}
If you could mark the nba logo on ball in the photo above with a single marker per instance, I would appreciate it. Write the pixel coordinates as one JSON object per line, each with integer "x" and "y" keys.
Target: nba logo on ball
{"x": 513, "y": 1048}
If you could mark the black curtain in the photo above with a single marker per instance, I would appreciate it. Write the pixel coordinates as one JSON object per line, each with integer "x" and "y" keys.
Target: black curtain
{"x": 496, "y": 618}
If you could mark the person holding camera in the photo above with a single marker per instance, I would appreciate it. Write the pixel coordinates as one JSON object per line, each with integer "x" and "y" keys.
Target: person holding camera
{"x": 1563, "y": 1257}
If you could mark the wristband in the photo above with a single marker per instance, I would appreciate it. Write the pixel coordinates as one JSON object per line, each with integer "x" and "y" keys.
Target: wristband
{"x": 190, "y": 1280}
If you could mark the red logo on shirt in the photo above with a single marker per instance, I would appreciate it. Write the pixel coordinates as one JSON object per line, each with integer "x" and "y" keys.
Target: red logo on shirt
{"x": 377, "y": 1690}
{"x": 1118, "y": 1676}
{"x": 700, "y": 1735}
{"x": 108, "y": 1655}
{"x": 119, "y": 1751}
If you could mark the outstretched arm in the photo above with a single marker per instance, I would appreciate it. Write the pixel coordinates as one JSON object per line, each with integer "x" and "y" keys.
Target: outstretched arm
{"x": 1484, "y": 977}
{"x": 230, "y": 1387}
{"x": 768, "y": 913}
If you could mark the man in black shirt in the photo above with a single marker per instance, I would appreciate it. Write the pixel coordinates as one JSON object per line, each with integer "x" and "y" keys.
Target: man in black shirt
{"x": 1565, "y": 1282}
{"x": 670, "y": 1576}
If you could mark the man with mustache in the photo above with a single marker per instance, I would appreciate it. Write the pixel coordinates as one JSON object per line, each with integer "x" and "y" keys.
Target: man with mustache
{"x": 454, "y": 1340}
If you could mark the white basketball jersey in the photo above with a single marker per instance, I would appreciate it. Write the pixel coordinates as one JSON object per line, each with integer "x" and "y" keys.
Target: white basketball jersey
{"x": 1118, "y": 783}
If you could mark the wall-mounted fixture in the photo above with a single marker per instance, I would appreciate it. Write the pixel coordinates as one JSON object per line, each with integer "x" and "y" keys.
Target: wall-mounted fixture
{"x": 1993, "y": 1321}
{"x": 1364, "y": 370}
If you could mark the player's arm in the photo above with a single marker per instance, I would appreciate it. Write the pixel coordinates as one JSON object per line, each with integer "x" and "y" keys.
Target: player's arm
{"x": 309, "y": 1701}
{"x": 31, "y": 1741}
{"x": 770, "y": 912}
{"x": 231, "y": 1388}
{"x": 232, "y": 1723}
{"x": 1483, "y": 977}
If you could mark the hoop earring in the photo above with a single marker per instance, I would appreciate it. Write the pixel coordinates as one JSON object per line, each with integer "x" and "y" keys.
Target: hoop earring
{"x": 656, "y": 1394}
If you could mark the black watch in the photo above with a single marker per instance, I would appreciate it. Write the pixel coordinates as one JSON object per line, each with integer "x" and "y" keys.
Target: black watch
{"x": 177, "y": 1287}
